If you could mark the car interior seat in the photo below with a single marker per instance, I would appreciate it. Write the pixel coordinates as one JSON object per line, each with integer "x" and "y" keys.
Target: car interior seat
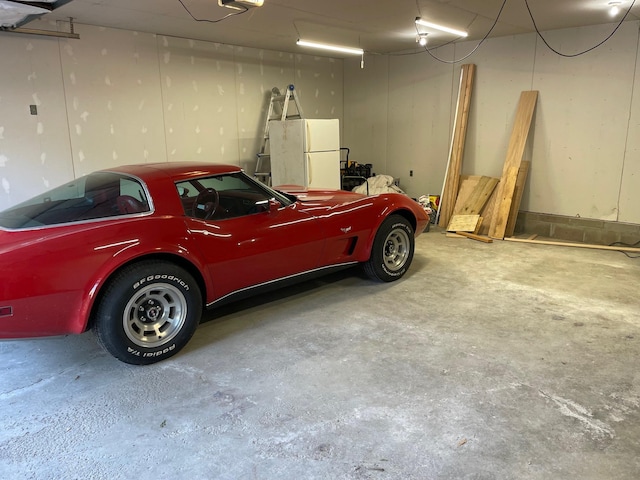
{"x": 128, "y": 204}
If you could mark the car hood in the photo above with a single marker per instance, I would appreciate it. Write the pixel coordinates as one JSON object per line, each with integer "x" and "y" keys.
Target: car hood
{"x": 318, "y": 202}
{"x": 320, "y": 195}
{"x": 320, "y": 198}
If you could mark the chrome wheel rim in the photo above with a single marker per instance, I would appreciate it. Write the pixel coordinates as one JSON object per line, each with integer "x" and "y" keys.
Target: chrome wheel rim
{"x": 396, "y": 249}
{"x": 154, "y": 315}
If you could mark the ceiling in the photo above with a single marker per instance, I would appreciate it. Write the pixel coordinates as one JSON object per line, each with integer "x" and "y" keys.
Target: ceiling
{"x": 377, "y": 26}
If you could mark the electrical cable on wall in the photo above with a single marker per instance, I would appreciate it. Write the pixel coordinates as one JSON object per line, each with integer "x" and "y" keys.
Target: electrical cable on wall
{"x": 535, "y": 26}
{"x": 213, "y": 21}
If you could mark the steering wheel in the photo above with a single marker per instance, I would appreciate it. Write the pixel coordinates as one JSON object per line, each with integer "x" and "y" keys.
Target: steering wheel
{"x": 206, "y": 203}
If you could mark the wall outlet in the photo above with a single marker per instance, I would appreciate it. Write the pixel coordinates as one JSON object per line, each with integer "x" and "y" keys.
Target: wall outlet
{"x": 411, "y": 173}
{"x": 33, "y": 109}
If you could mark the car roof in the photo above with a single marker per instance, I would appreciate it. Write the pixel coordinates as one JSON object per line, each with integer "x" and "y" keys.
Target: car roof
{"x": 176, "y": 170}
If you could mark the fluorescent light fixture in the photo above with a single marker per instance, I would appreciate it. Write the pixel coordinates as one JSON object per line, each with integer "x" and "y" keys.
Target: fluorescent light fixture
{"x": 240, "y": 4}
{"x": 435, "y": 26}
{"x": 334, "y": 48}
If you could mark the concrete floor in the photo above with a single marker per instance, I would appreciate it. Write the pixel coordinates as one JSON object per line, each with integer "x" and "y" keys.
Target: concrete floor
{"x": 501, "y": 361}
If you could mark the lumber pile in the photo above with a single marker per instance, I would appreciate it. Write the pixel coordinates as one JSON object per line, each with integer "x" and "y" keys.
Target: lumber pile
{"x": 471, "y": 206}
{"x": 485, "y": 208}
{"x": 469, "y": 201}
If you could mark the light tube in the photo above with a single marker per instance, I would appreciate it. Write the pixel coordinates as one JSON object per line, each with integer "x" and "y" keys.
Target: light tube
{"x": 335, "y": 48}
{"x": 459, "y": 33}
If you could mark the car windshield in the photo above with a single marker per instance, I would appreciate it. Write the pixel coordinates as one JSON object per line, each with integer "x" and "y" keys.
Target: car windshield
{"x": 98, "y": 195}
{"x": 220, "y": 197}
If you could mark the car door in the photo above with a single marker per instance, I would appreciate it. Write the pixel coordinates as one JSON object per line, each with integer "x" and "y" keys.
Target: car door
{"x": 245, "y": 241}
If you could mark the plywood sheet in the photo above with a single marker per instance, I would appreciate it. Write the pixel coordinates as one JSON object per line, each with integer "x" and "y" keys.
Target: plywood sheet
{"x": 517, "y": 143}
{"x": 463, "y": 223}
{"x": 473, "y": 194}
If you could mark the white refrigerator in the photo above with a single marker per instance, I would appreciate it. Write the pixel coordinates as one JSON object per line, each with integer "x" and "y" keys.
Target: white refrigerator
{"x": 305, "y": 152}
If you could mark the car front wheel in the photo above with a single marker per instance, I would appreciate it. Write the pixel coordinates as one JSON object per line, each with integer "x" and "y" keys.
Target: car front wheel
{"x": 392, "y": 250}
{"x": 148, "y": 312}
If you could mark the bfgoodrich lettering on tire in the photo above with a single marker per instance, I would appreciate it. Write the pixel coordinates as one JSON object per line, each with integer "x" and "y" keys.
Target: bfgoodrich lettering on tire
{"x": 392, "y": 250}
{"x": 148, "y": 312}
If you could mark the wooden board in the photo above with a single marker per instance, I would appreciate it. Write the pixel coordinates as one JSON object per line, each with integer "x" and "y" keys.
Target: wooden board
{"x": 480, "y": 238}
{"x": 517, "y": 144}
{"x": 452, "y": 177}
{"x": 466, "y": 185}
{"x": 463, "y": 223}
{"x": 487, "y": 213}
{"x": 473, "y": 194}
{"x": 578, "y": 245}
{"x": 473, "y": 236}
{"x": 479, "y": 225}
{"x": 523, "y": 172}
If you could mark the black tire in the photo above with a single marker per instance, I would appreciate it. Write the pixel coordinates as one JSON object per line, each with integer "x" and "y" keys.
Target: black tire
{"x": 392, "y": 250}
{"x": 148, "y": 312}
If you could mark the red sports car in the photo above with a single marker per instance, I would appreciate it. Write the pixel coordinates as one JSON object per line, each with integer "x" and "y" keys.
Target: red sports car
{"x": 136, "y": 252}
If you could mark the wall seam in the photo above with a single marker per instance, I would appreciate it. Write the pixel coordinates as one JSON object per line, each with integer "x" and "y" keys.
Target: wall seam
{"x": 162, "y": 100}
{"x": 237, "y": 90}
{"x": 66, "y": 107}
{"x": 626, "y": 138}
{"x": 388, "y": 122}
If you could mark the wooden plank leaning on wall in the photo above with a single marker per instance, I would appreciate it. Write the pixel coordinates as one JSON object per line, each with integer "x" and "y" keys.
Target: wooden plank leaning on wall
{"x": 452, "y": 177}
{"x": 517, "y": 144}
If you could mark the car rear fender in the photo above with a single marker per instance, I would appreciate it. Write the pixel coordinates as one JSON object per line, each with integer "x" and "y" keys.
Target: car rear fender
{"x": 180, "y": 254}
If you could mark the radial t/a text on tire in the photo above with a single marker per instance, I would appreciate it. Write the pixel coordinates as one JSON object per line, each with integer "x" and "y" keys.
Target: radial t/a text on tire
{"x": 148, "y": 312}
{"x": 392, "y": 250}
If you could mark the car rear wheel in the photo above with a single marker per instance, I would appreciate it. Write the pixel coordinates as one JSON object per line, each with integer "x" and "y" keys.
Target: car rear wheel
{"x": 392, "y": 250}
{"x": 148, "y": 312}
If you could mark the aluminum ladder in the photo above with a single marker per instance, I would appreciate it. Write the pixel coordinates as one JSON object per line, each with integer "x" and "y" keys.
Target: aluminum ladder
{"x": 279, "y": 110}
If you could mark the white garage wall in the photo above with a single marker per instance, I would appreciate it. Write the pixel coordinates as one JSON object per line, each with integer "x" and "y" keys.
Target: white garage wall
{"x": 582, "y": 123}
{"x": 419, "y": 120}
{"x": 117, "y": 97}
{"x": 505, "y": 67}
{"x": 630, "y": 185}
{"x": 113, "y": 98}
{"x": 200, "y": 102}
{"x": 31, "y": 146}
{"x": 366, "y": 107}
{"x": 585, "y": 139}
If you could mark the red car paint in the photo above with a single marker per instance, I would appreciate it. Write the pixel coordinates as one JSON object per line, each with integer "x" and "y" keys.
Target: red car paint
{"x": 50, "y": 276}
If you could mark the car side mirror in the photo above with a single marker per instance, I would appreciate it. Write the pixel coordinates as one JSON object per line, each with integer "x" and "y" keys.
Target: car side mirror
{"x": 274, "y": 205}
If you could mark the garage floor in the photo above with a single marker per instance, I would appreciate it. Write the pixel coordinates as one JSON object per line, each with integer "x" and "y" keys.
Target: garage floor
{"x": 486, "y": 361}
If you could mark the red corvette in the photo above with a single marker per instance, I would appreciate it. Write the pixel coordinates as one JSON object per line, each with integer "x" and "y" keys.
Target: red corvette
{"x": 136, "y": 252}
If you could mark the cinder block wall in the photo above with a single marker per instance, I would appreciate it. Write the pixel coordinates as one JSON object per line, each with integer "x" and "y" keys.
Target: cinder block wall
{"x": 598, "y": 232}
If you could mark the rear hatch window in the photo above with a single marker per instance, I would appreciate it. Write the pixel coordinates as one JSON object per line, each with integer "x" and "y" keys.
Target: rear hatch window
{"x": 98, "y": 195}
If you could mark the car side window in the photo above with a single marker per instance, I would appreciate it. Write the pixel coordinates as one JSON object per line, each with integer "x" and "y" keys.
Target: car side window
{"x": 222, "y": 196}
{"x": 95, "y": 196}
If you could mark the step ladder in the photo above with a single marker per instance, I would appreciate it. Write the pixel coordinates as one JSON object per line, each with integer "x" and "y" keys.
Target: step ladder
{"x": 279, "y": 110}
